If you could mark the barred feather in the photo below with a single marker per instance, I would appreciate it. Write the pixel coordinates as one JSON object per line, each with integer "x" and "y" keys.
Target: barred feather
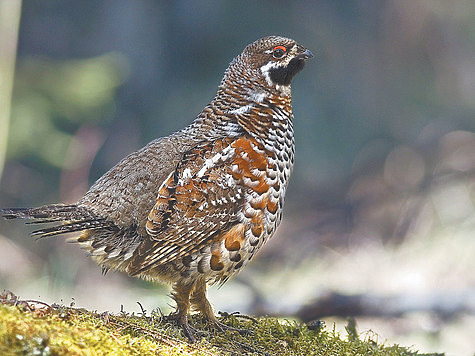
{"x": 72, "y": 227}
{"x": 74, "y": 218}
{"x": 47, "y": 213}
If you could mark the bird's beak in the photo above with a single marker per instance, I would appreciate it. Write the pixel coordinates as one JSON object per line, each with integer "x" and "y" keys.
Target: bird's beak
{"x": 305, "y": 55}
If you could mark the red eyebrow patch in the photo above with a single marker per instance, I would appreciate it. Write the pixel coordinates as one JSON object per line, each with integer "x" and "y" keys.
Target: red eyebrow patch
{"x": 280, "y": 47}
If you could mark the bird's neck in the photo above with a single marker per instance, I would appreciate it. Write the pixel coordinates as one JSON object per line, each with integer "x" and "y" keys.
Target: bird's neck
{"x": 256, "y": 111}
{"x": 245, "y": 104}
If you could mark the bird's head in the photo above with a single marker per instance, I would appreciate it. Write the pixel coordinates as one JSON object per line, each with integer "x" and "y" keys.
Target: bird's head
{"x": 268, "y": 64}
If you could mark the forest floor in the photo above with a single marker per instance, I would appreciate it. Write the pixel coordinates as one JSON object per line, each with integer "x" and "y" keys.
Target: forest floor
{"x": 35, "y": 328}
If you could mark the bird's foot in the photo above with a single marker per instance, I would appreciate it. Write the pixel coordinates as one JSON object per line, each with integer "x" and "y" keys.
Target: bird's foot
{"x": 182, "y": 321}
{"x": 191, "y": 333}
{"x": 219, "y": 325}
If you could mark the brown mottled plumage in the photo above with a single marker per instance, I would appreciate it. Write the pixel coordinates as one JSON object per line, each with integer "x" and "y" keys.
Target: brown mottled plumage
{"x": 194, "y": 207}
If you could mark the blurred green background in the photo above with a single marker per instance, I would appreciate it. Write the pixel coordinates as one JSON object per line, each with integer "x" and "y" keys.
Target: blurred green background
{"x": 381, "y": 202}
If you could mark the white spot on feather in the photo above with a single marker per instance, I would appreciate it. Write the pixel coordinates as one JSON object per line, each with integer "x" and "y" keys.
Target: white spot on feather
{"x": 232, "y": 128}
{"x": 230, "y": 180}
{"x": 98, "y": 252}
{"x": 187, "y": 174}
{"x": 242, "y": 109}
{"x": 209, "y": 163}
{"x": 114, "y": 253}
{"x": 258, "y": 97}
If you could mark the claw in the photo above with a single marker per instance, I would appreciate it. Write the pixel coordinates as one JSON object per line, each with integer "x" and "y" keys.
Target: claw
{"x": 189, "y": 332}
{"x": 223, "y": 327}
{"x": 182, "y": 321}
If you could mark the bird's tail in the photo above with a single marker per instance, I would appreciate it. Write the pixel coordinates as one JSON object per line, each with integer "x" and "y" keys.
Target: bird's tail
{"x": 72, "y": 218}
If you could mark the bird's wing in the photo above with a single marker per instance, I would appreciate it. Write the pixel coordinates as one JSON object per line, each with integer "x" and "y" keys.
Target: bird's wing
{"x": 200, "y": 200}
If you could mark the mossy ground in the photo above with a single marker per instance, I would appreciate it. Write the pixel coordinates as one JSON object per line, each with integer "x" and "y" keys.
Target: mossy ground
{"x": 37, "y": 329}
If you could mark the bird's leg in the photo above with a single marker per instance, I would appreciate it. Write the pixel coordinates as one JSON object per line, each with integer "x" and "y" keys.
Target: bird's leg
{"x": 201, "y": 304}
{"x": 181, "y": 294}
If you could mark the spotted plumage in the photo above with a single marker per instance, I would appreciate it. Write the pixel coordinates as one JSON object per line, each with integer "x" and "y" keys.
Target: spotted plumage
{"x": 194, "y": 207}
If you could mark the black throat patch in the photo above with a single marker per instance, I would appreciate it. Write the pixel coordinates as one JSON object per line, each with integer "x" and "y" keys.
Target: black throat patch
{"x": 284, "y": 75}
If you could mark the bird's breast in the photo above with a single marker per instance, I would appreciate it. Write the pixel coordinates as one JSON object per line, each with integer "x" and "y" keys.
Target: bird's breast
{"x": 262, "y": 172}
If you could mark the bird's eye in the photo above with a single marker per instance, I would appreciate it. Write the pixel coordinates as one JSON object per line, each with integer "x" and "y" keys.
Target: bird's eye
{"x": 279, "y": 51}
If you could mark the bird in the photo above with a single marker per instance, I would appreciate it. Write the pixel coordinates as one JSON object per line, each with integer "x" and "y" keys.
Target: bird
{"x": 193, "y": 208}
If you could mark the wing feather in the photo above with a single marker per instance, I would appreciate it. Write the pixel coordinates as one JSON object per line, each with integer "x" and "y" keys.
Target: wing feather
{"x": 197, "y": 202}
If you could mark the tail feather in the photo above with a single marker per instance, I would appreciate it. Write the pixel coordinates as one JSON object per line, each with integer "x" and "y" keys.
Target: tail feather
{"x": 47, "y": 213}
{"x": 72, "y": 218}
{"x": 70, "y": 227}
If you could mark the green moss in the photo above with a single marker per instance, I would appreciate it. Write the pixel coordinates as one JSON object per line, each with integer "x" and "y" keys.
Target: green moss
{"x": 62, "y": 330}
{"x": 67, "y": 331}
